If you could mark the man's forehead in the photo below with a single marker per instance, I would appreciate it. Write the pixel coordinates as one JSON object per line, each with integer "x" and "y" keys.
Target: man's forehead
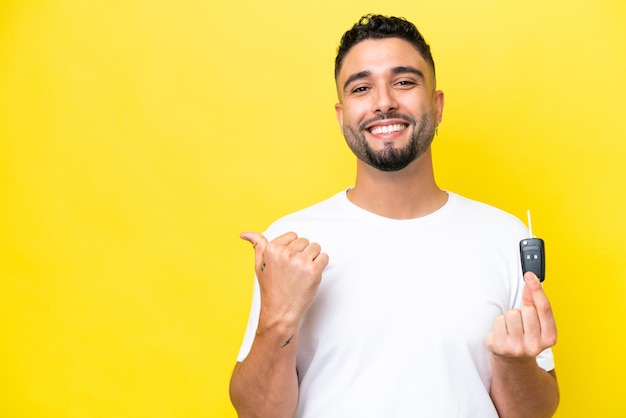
{"x": 385, "y": 52}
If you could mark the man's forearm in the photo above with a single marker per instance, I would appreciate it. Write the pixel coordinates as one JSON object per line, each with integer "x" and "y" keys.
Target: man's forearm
{"x": 265, "y": 384}
{"x": 521, "y": 389}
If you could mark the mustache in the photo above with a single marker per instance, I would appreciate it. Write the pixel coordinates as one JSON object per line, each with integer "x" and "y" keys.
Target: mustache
{"x": 384, "y": 116}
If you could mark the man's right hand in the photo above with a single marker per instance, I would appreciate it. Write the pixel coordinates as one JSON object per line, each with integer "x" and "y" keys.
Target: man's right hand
{"x": 289, "y": 270}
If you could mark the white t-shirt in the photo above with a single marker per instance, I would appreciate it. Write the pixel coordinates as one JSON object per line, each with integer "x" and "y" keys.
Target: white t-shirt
{"x": 398, "y": 326}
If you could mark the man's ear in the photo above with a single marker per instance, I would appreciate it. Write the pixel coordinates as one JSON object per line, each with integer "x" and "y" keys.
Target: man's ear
{"x": 438, "y": 104}
{"x": 339, "y": 113}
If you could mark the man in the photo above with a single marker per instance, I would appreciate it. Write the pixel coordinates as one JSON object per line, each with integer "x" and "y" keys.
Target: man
{"x": 416, "y": 307}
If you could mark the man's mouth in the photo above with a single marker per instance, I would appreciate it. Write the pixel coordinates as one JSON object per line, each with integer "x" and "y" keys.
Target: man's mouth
{"x": 387, "y": 129}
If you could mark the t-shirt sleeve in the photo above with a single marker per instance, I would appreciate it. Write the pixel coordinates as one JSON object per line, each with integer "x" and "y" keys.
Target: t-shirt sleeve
{"x": 545, "y": 360}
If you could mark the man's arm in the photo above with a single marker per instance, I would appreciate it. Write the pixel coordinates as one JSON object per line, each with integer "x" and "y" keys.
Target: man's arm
{"x": 289, "y": 271}
{"x": 520, "y": 388}
{"x": 265, "y": 384}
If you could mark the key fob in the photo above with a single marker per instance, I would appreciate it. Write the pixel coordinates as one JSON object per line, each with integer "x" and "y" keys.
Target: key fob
{"x": 533, "y": 257}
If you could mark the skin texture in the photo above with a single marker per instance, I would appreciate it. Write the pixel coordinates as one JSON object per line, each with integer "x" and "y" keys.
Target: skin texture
{"x": 388, "y": 110}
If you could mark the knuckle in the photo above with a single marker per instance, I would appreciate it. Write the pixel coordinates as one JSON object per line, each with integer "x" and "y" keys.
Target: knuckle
{"x": 551, "y": 340}
{"x": 544, "y": 309}
{"x": 271, "y": 247}
{"x": 512, "y": 314}
{"x": 310, "y": 269}
{"x": 534, "y": 348}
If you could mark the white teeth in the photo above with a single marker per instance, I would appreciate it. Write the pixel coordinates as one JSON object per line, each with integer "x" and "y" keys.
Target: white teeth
{"x": 387, "y": 129}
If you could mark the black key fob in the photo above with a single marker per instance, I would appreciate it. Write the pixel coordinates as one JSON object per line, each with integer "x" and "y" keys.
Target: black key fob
{"x": 533, "y": 257}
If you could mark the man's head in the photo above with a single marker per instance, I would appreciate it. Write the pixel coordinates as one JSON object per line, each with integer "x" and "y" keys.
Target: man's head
{"x": 373, "y": 26}
{"x": 388, "y": 106}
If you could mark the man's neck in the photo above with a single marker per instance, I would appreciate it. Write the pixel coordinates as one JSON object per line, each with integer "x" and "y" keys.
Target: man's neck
{"x": 405, "y": 194}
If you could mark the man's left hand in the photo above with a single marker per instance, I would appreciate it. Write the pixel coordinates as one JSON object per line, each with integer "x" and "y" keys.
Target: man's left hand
{"x": 526, "y": 331}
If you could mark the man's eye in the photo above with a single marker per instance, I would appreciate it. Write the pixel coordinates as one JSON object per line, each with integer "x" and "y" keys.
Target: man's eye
{"x": 359, "y": 89}
{"x": 405, "y": 83}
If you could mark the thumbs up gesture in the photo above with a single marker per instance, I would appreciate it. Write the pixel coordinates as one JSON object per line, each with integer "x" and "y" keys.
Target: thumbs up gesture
{"x": 289, "y": 270}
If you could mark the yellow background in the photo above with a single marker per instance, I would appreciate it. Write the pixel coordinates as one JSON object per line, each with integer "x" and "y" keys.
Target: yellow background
{"x": 138, "y": 138}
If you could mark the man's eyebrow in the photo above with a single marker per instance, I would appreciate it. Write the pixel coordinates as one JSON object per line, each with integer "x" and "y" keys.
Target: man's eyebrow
{"x": 356, "y": 76}
{"x": 410, "y": 70}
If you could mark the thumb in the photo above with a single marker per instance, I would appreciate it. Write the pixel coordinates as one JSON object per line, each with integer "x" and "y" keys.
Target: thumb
{"x": 259, "y": 242}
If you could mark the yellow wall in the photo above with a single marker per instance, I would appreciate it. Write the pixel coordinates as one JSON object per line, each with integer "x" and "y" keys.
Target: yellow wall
{"x": 139, "y": 137}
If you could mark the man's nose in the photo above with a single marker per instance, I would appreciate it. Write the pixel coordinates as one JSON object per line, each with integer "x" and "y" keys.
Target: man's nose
{"x": 385, "y": 101}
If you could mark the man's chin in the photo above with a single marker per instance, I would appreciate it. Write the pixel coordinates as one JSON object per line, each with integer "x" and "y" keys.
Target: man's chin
{"x": 389, "y": 167}
{"x": 387, "y": 161}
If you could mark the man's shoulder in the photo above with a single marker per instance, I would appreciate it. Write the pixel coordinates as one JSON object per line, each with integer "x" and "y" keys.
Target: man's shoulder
{"x": 485, "y": 214}
{"x": 480, "y": 207}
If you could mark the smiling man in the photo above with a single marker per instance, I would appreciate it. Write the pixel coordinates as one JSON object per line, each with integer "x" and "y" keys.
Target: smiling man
{"x": 362, "y": 90}
{"x": 372, "y": 303}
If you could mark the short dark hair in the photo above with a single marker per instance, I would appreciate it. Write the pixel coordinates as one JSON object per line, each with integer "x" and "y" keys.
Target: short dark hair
{"x": 373, "y": 26}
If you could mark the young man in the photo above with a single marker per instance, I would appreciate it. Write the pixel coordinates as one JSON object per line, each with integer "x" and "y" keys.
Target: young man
{"x": 394, "y": 298}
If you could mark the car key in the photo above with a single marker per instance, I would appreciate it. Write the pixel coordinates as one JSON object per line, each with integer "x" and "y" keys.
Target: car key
{"x": 533, "y": 254}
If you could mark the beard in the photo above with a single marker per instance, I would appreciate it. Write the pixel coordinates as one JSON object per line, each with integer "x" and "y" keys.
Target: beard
{"x": 391, "y": 158}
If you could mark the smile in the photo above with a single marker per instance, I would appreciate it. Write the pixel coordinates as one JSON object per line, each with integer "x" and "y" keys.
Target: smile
{"x": 387, "y": 129}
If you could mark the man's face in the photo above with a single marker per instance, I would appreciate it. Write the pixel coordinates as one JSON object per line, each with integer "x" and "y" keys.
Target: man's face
{"x": 389, "y": 107}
